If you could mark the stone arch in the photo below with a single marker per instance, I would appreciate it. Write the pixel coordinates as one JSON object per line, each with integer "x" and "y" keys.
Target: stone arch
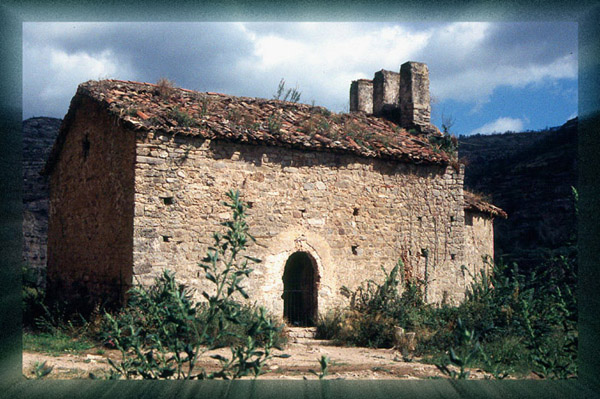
{"x": 300, "y": 289}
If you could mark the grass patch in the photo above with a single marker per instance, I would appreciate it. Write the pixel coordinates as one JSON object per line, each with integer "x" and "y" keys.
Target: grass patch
{"x": 55, "y": 344}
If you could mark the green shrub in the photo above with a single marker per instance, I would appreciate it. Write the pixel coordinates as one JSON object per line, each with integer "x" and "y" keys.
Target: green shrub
{"x": 468, "y": 349}
{"x": 329, "y": 326}
{"x": 274, "y": 123}
{"x": 373, "y": 330}
{"x": 447, "y": 143}
{"x": 163, "y": 332}
{"x": 182, "y": 118}
{"x": 517, "y": 322}
{"x": 536, "y": 312}
{"x": 374, "y": 310}
{"x": 235, "y": 333}
{"x": 33, "y": 295}
{"x": 40, "y": 370}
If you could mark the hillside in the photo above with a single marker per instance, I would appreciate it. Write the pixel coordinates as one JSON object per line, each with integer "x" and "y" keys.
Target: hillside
{"x": 530, "y": 176}
{"x": 38, "y": 136}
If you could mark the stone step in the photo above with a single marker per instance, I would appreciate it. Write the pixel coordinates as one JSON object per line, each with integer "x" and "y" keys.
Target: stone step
{"x": 312, "y": 342}
{"x": 302, "y": 332}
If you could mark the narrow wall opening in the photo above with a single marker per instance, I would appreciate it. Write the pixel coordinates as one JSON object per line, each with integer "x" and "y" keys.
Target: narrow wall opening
{"x": 300, "y": 294}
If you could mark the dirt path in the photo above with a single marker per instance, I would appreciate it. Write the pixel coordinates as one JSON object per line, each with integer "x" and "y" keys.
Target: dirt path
{"x": 345, "y": 363}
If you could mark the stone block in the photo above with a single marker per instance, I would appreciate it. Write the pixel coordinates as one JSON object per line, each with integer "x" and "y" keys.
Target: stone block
{"x": 386, "y": 92}
{"x": 414, "y": 94}
{"x": 361, "y": 96}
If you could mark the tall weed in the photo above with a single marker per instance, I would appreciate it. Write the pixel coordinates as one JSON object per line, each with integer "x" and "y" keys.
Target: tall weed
{"x": 163, "y": 332}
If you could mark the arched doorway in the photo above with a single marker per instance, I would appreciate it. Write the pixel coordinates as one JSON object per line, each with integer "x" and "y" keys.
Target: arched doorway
{"x": 300, "y": 290}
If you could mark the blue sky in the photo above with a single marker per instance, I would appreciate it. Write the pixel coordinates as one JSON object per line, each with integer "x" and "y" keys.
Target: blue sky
{"x": 486, "y": 76}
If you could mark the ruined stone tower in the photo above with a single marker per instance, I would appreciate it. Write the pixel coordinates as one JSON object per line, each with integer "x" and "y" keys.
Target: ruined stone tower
{"x": 401, "y": 97}
{"x": 415, "y": 105}
{"x": 361, "y": 96}
{"x": 386, "y": 86}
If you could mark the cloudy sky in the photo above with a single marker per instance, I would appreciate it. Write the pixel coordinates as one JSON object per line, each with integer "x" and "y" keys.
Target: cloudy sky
{"x": 485, "y": 77}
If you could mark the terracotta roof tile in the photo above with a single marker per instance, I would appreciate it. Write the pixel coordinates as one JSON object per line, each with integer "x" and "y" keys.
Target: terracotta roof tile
{"x": 152, "y": 108}
{"x": 476, "y": 203}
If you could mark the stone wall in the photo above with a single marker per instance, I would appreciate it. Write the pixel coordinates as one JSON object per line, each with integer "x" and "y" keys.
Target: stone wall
{"x": 91, "y": 209}
{"x": 361, "y": 96}
{"x": 414, "y": 94}
{"x": 386, "y": 92}
{"x": 352, "y": 215}
{"x": 479, "y": 242}
{"x": 401, "y": 97}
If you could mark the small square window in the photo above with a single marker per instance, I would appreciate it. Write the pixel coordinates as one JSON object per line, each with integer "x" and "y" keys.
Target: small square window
{"x": 469, "y": 220}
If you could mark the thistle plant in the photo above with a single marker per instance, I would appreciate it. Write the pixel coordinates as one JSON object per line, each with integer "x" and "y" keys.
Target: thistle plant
{"x": 163, "y": 332}
{"x": 324, "y": 362}
{"x": 469, "y": 350}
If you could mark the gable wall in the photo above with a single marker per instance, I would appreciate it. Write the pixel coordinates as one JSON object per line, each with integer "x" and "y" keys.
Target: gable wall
{"x": 300, "y": 201}
{"x": 91, "y": 209}
{"x": 479, "y": 242}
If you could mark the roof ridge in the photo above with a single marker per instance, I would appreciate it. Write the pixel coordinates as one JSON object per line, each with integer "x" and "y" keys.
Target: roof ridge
{"x": 257, "y": 120}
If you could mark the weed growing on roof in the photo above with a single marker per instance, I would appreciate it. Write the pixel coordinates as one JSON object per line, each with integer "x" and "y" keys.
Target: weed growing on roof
{"x": 360, "y": 136}
{"x": 250, "y": 122}
{"x": 323, "y": 127}
{"x": 321, "y": 111}
{"x": 165, "y": 88}
{"x": 316, "y": 124}
{"x": 339, "y": 118}
{"x": 447, "y": 143}
{"x": 351, "y": 129}
{"x": 292, "y": 94}
{"x": 384, "y": 140}
{"x": 234, "y": 115}
{"x": 274, "y": 123}
{"x": 204, "y": 101}
{"x": 182, "y": 118}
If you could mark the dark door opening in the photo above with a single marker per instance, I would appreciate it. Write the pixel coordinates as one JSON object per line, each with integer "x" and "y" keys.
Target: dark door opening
{"x": 299, "y": 290}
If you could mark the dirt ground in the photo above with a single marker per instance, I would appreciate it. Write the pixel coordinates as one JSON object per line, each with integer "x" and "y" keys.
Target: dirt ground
{"x": 345, "y": 363}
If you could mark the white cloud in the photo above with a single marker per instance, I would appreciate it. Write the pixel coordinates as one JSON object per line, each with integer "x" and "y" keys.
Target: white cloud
{"x": 501, "y": 125}
{"x": 323, "y": 59}
{"x": 53, "y": 75}
{"x": 467, "y": 61}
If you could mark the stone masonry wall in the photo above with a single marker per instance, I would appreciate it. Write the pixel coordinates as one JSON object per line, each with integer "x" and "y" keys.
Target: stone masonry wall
{"x": 361, "y": 96}
{"x": 351, "y": 214}
{"x": 91, "y": 209}
{"x": 479, "y": 242}
{"x": 386, "y": 92}
{"x": 414, "y": 94}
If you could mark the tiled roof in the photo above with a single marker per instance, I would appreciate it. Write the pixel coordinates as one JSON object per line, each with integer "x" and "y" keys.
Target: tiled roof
{"x": 474, "y": 202}
{"x": 156, "y": 108}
